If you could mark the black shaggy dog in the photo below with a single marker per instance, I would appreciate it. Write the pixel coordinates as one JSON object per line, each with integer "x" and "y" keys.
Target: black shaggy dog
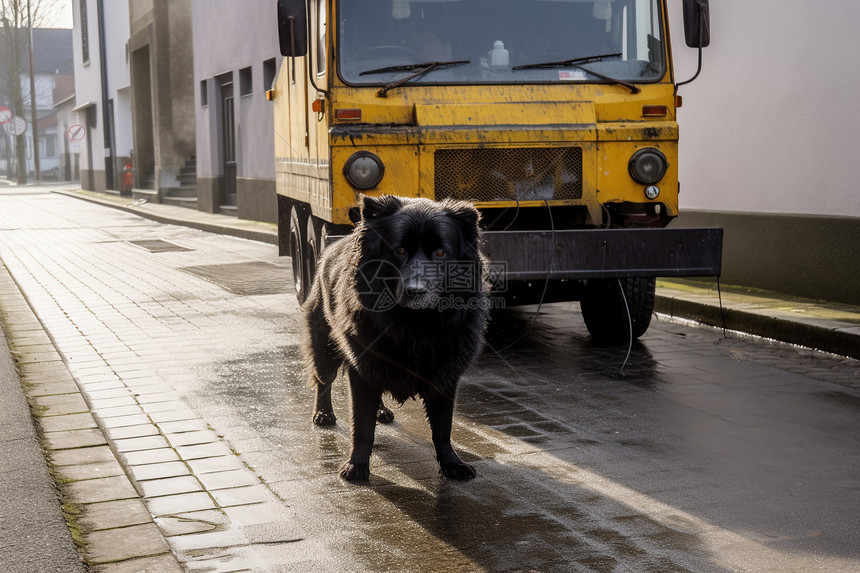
{"x": 401, "y": 302}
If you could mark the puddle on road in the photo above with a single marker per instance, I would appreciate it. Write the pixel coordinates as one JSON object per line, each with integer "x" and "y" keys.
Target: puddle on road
{"x": 263, "y": 389}
{"x": 557, "y": 345}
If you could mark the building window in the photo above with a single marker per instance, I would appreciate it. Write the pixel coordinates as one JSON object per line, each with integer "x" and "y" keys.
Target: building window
{"x": 321, "y": 21}
{"x": 245, "y": 87}
{"x": 204, "y": 93}
{"x": 269, "y": 71}
{"x": 85, "y": 36}
{"x": 50, "y": 146}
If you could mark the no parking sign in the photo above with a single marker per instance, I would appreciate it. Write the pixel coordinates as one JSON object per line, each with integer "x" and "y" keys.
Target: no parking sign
{"x": 76, "y": 134}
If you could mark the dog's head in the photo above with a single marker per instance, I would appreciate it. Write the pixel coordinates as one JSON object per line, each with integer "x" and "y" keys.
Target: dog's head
{"x": 419, "y": 254}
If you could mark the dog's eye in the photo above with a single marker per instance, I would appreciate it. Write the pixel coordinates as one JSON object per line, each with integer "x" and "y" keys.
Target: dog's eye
{"x": 440, "y": 253}
{"x": 401, "y": 251}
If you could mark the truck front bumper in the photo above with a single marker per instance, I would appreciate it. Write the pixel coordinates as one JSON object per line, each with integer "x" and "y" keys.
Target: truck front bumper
{"x": 604, "y": 253}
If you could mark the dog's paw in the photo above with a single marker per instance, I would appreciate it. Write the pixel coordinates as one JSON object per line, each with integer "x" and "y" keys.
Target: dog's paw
{"x": 458, "y": 471}
{"x": 325, "y": 418}
{"x": 384, "y": 415}
{"x": 355, "y": 472}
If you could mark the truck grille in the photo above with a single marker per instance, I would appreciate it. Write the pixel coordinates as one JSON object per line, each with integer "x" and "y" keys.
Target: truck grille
{"x": 509, "y": 174}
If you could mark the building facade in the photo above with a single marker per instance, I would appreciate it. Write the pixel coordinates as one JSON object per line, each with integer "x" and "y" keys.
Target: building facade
{"x": 236, "y": 60}
{"x": 102, "y": 95}
{"x": 769, "y": 147}
{"x": 160, "y": 57}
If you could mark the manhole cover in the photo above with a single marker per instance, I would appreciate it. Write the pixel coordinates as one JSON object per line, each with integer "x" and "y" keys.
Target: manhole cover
{"x": 246, "y": 278}
{"x": 157, "y": 246}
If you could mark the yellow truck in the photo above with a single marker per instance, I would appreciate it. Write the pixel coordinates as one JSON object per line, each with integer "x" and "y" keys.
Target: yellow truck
{"x": 556, "y": 118}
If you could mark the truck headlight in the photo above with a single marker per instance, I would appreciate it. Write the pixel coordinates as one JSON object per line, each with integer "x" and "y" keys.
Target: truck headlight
{"x": 363, "y": 170}
{"x": 648, "y": 166}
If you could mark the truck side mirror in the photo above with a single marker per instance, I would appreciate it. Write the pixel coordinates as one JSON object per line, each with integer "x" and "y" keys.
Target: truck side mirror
{"x": 292, "y": 28}
{"x": 697, "y": 23}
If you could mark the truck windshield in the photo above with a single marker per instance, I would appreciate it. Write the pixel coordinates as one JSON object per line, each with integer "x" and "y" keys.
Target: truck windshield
{"x": 500, "y": 41}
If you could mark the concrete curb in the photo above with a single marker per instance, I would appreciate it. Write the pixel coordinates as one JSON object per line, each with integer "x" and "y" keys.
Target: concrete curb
{"x": 167, "y": 214}
{"x": 843, "y": 341}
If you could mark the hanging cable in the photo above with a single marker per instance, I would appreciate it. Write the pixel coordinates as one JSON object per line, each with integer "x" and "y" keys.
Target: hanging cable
{"x": 629, "y": 323}
{"x": 545, "y": 284}
{"x": 722, "y": 309}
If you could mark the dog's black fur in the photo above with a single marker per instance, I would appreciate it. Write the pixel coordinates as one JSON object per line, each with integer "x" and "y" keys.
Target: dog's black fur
{"x": 378, "y": 307}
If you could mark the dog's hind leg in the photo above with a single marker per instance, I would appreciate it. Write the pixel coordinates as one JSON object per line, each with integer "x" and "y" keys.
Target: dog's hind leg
{"x": 365, "y": 401}
{"x": 440, "y": 414}
{"x": 321, "y": 358}
{"x": 326, "y": 365}
{"x": 384, "y": 415}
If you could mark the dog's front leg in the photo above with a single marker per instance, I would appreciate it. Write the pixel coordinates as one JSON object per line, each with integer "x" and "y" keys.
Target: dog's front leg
{"x": 440, "y": 414}
{"x": 365, "y": 402}
{"x": 323, "y": 411}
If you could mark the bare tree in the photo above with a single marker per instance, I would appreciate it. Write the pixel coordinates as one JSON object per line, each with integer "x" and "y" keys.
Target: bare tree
{"x": 18, "y": 18}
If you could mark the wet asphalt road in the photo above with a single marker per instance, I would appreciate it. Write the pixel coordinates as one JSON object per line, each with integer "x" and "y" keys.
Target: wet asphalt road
{"x": 706, "y": 453}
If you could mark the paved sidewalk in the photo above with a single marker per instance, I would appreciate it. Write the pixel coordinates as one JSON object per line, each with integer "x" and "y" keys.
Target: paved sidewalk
{"x": 111, "y": 526}
{"x": 830, "y": 327}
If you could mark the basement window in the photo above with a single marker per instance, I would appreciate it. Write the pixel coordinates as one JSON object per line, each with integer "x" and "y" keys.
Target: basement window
{"x": 269, "y": 73}
{"x": 245, "y": 84}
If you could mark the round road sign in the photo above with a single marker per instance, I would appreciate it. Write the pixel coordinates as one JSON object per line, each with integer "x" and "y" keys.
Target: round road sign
{"x": 76, "y": 134}
{"x": 5, "y": 114}
{"x": 16, "y": 126}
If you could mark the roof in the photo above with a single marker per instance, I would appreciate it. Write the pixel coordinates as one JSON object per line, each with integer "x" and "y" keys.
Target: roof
{"x": 52, "y": 51}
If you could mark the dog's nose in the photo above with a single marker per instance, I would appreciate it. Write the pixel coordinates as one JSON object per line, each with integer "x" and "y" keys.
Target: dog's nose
{"x": 415, "y": 289}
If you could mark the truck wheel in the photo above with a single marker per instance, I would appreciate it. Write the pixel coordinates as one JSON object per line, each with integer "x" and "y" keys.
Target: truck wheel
{"x": 298, "y": 232}
{"x": 604, "y": 312}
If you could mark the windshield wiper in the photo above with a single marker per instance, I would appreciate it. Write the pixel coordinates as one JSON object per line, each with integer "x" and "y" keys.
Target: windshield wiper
{"x": 577, "y": 63}
{"x": 563, "y": 63}
{"x": 422, "y": 69}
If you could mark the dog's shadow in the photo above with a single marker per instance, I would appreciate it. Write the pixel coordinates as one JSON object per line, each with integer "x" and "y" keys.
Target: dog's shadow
{"x": 469, "y": 517}
{"x": 495, "y": 530}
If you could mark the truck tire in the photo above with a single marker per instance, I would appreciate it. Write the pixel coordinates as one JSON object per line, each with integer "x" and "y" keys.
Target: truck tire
{"x": 298, "y": 235}
{"x": 605, "y": 314}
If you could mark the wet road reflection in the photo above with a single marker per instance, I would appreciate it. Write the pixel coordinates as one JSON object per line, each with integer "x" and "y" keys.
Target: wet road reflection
{"x": 686, "y": 460}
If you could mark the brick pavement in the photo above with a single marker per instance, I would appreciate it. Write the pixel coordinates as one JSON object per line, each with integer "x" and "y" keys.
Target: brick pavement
{"x": 141, "y": 349}
{"x": 137, "y": 463}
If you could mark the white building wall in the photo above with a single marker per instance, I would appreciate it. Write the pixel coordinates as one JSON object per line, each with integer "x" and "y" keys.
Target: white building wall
{"x": 88, "y": 81}
{"x": 118, "y": 76}
{"x": 771, "y": 124}
{"x": 88, "y": 85}
{"x": 253, "y": 38}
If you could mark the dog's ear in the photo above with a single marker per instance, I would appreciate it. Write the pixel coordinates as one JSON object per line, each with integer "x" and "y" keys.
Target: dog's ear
{"x": 378, "y": 207}
{"x": 355, "y": 215}
{"x": 466, "y": 215}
